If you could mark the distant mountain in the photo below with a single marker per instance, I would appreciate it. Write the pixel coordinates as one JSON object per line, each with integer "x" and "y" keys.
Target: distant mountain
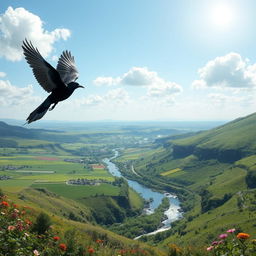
{"x": 7, "y": 130}
{"x": 227, "y": 143}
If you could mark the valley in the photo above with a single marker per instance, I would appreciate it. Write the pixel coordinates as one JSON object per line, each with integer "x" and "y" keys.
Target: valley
{"x": 63, "y": 173}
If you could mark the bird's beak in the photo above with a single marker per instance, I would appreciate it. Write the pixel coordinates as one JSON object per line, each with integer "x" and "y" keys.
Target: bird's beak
{"x": 80, "y": 86}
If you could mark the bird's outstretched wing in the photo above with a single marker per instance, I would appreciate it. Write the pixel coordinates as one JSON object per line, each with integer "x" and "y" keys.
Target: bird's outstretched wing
{"x": 46, "y": 75}
{"x": 67, "y": 68}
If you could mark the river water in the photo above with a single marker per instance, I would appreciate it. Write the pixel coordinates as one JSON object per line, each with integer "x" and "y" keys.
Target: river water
{"x": 172, "y": 213}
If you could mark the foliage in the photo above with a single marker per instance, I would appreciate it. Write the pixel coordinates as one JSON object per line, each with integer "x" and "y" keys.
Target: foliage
{"x": 133, "y": 227}
{"x": 42, "y": 223}
{"x": 19, "y": 238}
{"x": 231, "y": 244}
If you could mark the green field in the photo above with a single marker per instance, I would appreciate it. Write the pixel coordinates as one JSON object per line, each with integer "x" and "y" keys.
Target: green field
{"x": 78, "y": 192}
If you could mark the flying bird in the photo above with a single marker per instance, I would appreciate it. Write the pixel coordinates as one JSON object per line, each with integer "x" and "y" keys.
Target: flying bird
{"x": 60, "y": 82}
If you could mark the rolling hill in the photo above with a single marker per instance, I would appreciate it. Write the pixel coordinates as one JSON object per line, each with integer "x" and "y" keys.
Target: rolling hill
{"x": 227, "y": 143}
{"x": 217, "y": 171}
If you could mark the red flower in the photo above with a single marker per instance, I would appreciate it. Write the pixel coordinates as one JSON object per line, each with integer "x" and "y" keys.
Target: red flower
{"x": 56, "y": 238}
{"x": 63, "y": 247}
{"x": 99, "y": 241}
{"x": 91, "y": 250}
{"x": 4, "y": 203}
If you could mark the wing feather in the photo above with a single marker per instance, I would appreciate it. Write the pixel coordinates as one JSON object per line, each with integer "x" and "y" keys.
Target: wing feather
{"x": 67, "y": 68}
{"x": 45, "y": 74}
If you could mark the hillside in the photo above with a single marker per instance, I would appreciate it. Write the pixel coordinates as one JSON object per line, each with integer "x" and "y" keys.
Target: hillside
{"x": 227, "y": 143}
{"x": 214, "y": 174}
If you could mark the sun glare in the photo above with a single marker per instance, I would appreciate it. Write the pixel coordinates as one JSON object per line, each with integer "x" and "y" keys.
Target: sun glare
{"x": 222, "y": 15}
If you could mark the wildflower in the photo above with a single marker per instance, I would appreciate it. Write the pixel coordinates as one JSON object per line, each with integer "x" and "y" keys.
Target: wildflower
{"x": 210, "y": 248}
{"x": 14, "y": 215}
{"x": 223, "y": 236}
{"x": 253, "y": 241}
{"x": 243, "y": 236}
{"x": 3, "y": 213}
{"x": 56, "y": 238}
{"x": 36, "y": 252}
{"x": 232, "y": 230}
{"x": 63, "y": 247}
{"x": 215, "y": 243}
{"x": 91, "y": 250}
{"x": 15, "y": 206}
{"x": 99, "y": 241}
{"x": 4, "y": 203}
{"x": 27, "y": 221}
{"x": 11, "y": 228}
{"x": 16, "y": 210}
{"x": 26, "y": 234}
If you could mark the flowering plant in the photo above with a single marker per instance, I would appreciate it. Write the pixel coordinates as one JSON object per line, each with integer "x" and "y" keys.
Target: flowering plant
{"x": 232, "y": 244}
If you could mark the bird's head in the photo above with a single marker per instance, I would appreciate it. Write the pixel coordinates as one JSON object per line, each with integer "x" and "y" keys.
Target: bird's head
{"x": 74, "y": 85}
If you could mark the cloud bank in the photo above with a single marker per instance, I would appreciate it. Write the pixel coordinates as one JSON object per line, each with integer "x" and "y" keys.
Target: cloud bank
{"x": 11, "y": 95}
{"x": 18, "y": 24}
{"x": 156, "y": 86}
{"x": 229, "y": 71}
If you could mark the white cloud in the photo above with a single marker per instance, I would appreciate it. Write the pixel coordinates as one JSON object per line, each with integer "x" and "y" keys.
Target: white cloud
{"x": 163, "y": 88}
{"x": 229, "y": 71}
{"x": 222, "y": 99}
{"x": 139, "y": 76}
{"x": 18, "y": 24}
{"x": 156, "y": 86}
{"x": 107, "y": 80}
{"x": 11, "y": 95}
{"x": 2, "y": 74}
{"x": 116, "y": 96}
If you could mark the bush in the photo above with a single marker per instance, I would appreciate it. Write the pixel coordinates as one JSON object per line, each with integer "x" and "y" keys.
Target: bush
{"x": 42, "y": 224}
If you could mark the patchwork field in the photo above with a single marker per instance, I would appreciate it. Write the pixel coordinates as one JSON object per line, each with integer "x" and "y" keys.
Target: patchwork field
{"x": 45, "y": 171}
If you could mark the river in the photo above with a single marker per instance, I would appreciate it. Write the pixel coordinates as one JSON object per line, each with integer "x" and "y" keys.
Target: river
{"x": 172, "y": 213}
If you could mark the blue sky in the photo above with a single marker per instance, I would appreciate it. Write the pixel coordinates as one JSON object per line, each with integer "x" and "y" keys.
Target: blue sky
{"x": 138, "y": 59}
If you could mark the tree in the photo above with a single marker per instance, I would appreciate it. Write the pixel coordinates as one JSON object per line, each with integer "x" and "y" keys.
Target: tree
{"x": 42, "y": 224}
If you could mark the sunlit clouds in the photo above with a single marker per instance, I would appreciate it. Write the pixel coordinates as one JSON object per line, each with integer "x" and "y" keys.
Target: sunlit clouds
{"x": 18, "y": 24}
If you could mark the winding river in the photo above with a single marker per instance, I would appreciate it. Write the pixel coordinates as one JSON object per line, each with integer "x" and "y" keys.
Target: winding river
{"x": 172, "y": 213}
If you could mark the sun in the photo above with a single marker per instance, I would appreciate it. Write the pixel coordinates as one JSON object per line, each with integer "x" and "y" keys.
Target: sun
{"x": 222, "y": 15}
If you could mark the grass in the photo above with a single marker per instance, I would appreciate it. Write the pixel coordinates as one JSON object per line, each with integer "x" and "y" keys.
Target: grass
{"x": 171, "y": 172}
{"x": 14, "y": 185}
{"x": 237, "y": 134}
{"x": 77, "y": 192}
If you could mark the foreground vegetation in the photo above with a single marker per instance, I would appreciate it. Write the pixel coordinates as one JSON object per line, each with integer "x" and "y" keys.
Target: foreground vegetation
{"x": 213, "y": 173}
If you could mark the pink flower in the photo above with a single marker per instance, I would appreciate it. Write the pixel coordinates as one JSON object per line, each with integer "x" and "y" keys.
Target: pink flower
{"x": 232, "y": 230}
{"x": 11, "y": 228}
{"x": 210, "y": 248}
{"x": 215, "y": 242}
{"x": 223, "y": 236}
{"x": 36, "y": 252}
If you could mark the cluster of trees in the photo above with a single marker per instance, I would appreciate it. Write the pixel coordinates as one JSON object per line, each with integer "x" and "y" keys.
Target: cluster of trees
{"x": 208, "y": 202}
{"x": 133, "y": 227}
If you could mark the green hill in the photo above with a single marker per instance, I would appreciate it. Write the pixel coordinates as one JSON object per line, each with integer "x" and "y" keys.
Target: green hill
{"x": 226, "y": 143}
{"x": 214, "y": 174}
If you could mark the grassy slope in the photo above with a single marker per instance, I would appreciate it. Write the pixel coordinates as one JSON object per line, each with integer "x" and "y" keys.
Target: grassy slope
{"x": 58, "y": 208}
{"x": 217, "y": 177}
{"x": 237, "y": 134}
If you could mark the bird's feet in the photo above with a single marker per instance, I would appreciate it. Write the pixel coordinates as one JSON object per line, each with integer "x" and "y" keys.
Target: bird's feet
{"x": 50, "y": 109}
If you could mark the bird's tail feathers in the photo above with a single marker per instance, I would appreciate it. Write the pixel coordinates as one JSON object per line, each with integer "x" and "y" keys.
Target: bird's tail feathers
{"x": 39, "y": 112}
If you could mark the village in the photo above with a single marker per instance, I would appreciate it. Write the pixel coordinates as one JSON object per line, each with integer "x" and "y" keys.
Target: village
{"x": 91, "y": 182}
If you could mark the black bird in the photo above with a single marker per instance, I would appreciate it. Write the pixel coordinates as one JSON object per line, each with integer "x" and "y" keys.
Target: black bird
{"x": 60, "y": 82}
